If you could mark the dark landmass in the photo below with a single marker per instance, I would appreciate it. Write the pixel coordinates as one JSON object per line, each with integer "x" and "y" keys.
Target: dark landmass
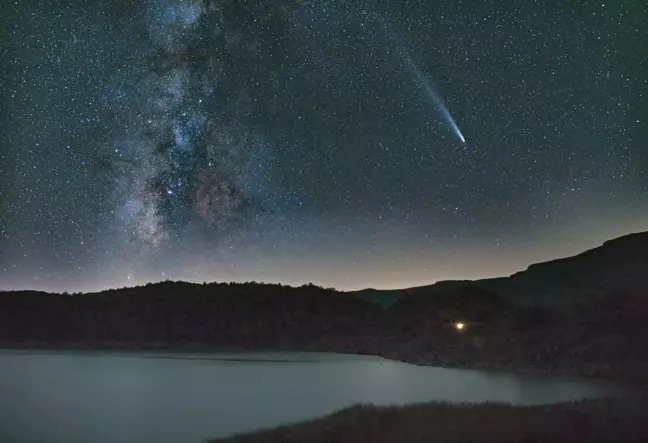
{"x": 586, "y": 315}
{"x": 383, "y": 297}
{"x": 594, "y": 421}
{"x": 618, "y": 266}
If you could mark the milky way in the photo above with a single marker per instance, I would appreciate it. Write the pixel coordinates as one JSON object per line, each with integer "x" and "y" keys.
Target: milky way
{"x": 186, "y": 163}
{"x": 298, "y": 141}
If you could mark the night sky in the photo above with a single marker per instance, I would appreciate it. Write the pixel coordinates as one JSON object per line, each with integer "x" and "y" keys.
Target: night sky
{"x": 315, "y": 141}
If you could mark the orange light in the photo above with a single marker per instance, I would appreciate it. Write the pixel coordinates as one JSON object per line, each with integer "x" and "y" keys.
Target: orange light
{"x": 459, "y": 326}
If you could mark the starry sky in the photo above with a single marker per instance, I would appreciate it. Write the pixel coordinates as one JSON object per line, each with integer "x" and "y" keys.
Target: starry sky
{"x": 347, "y": 143}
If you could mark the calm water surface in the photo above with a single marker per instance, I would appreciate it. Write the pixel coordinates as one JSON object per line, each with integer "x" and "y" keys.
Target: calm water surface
{"x": 79, "y": 397}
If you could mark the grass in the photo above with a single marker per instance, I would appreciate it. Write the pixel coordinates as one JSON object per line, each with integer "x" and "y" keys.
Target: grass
{"x": 591, "y": 421}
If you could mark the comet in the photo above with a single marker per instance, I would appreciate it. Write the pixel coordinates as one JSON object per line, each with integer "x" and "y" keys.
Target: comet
{"x": 423, "y": 82}
{"x": 433, "y": 96}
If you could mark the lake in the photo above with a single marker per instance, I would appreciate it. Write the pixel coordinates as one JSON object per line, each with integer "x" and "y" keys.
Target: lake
{"x": 139, "y": 397}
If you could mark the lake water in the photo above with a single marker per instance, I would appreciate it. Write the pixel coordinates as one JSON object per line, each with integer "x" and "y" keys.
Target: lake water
{"x": 87, "y": 397}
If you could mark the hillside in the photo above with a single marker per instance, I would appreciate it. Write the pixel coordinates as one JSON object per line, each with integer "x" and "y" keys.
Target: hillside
{"x": 619, "y": 265}
{"x": 382, "y": 297}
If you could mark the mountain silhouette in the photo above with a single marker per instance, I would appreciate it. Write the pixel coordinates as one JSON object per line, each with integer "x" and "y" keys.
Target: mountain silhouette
{"x": 619, "y": 265}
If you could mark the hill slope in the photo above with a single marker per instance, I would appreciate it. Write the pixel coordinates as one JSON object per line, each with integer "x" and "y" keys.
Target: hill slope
{"x": 619, "y": 265}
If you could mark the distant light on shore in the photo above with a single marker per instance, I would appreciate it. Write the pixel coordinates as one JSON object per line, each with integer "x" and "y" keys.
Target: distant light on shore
{"x": 460, "y": 326}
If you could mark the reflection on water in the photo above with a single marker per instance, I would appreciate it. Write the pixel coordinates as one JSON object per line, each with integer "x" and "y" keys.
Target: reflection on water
{"x": 170, "y": 398}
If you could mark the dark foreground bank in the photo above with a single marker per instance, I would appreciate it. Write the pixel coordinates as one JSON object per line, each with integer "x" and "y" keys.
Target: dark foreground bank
{"x": 585, "y": 421}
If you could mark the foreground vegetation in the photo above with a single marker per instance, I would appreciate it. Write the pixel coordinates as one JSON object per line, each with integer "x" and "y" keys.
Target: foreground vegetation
{"x": 592, "y": 421}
